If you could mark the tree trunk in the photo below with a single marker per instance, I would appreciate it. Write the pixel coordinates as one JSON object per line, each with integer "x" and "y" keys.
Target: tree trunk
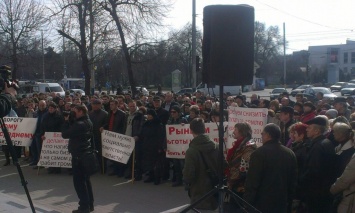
{"x": 124, "y": 48}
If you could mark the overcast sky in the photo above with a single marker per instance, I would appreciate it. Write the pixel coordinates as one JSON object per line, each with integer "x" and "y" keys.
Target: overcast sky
{"x": 308, "y": 22}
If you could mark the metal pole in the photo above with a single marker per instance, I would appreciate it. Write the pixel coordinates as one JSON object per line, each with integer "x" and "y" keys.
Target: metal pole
{"x": 193, "y": 55}
{"x": 92, "y": 80}
{"x": 284, "y": 54}
{"x": 43, "y": 74}
{"x": 64, "y": 62}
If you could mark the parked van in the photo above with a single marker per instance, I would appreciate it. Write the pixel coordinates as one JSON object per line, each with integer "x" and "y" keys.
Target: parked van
{"x": 214, "y": 91}
{"x": 49, "y": 87}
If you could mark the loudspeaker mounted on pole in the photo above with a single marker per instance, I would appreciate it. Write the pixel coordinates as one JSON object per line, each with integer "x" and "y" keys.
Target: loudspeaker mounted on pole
{"x": 228, "y": 45}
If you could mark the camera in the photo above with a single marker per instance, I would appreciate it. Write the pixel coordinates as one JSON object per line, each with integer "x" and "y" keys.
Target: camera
{"x": 5, "y": 77}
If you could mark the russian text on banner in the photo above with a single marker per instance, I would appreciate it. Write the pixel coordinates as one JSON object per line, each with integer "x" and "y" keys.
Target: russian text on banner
{"x": 21, "y": 130}
{"x": 256, "y": 117}
{"x": 179, "y": 136}
{"x": 116, "y": 146}
{"x": 55, "y": 151}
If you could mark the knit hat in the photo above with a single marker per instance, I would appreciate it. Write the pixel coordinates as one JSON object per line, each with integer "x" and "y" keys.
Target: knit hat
{"x": 331, "y": 113}
{"x": 309, "y": 104}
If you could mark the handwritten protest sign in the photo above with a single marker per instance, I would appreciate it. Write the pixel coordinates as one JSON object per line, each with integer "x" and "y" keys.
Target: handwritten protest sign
{"x": 55, "y": 151}
{"x": 116, "y": 146}
{"x": 21, "y": 130}
{"x": 179, "y": 137}
{"x": 256, "y": 117}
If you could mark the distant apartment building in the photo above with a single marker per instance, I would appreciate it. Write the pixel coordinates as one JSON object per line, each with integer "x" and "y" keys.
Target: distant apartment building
{"x": 332, "y": 61}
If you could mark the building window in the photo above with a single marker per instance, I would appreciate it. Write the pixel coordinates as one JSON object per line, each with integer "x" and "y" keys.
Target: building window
{"x": 346, "y": 58}
{"x": 353, "y": 57}
{"x": 345, "y": 70}
{"x": 353, "y": 71}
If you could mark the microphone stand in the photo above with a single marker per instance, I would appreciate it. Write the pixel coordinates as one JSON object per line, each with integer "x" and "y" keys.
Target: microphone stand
{"x": 15, "y": 161}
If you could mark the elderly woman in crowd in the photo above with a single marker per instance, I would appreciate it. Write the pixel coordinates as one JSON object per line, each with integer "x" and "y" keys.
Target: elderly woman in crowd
{"x": 238, "y": 158}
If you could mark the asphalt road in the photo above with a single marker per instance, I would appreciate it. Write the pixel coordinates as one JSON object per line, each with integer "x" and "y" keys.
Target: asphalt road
{"x": 55, "y": 193}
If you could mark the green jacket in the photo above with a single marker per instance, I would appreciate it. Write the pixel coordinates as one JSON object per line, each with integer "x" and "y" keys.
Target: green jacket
{"x": 195, "y": 173}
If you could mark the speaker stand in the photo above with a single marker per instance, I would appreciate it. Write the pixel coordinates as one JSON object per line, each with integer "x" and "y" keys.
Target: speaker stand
{"x": 221, "y": 189}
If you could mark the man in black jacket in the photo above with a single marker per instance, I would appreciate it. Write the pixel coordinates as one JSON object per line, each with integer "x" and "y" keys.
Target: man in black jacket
{"x": 99, "y": 118}
{"x": 319, "y": 171}
{"x": 52, "y": 122}
{"x": 272, "y": 174}
{"x": 79, "y": 134}
{"x": 134, "y": 123}
{"x": 116, "y": 123}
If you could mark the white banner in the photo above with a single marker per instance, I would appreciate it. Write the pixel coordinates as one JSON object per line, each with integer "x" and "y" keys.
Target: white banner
{"x": 21, "y": 130}
{"x": 55, "y": 151}
{"x": 256, "y": 117}
{"x": 116, "y": 146}
{"x": 179, "y": 137}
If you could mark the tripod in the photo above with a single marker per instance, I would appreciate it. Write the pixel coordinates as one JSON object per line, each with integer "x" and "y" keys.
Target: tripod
{"x": 15, "y": 161}
{"x": 221, "y": 189}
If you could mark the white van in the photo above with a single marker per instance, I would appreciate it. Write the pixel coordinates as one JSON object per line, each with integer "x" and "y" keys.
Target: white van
{"x": 214, "y": 91}
{"x": 48, "y": 88}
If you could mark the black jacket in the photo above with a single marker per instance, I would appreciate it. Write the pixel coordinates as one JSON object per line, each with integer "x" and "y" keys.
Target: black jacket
{"x": 137, "y": 123}
{"x": 79, "y": 134}
{"x": 5, "y": 104}
{"x": 51, "y": 122}
{"x": 272, "y": 178}
{"x": 119, "y": 122}
{"x": 319, "y": 171}
{"x": 99, "y": 119}
{"x": 163, "y": 115}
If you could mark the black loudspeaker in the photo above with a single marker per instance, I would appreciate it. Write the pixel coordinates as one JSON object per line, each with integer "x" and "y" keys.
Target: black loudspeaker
{"x": 228, "y": 45}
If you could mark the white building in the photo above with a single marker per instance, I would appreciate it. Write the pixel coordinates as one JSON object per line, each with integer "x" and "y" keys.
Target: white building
{"x": 335, "y": 60}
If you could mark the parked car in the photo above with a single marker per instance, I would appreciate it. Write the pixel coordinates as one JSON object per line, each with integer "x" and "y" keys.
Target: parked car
{"x": 275, "y": 93}
{"x": 139, "y": 89}
{"x": 73, "y": 91}
{"x": 300, "y": 89}
{"x": 348, "y": 90}
{"x": 352, "y": 81}
{"x": 310, "y": 93}
{"x": 185, "y": 90}
{"x": 338, "y": 86}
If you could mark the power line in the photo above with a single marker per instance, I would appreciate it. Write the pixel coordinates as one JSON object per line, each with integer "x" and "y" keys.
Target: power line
{"x": 306, "y": 20}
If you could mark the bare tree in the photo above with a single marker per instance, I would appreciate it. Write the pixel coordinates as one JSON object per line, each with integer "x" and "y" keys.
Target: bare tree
{"x": 19, "y": 19}
{"x": 134, "y": 18}
{"x": 74, "y": 25}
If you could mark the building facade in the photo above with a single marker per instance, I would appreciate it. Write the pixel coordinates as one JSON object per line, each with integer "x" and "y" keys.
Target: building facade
{"x": 332, "y": 63}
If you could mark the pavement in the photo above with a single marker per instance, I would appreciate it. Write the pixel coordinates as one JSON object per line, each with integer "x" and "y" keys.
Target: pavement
{"x": 55, "y": 193}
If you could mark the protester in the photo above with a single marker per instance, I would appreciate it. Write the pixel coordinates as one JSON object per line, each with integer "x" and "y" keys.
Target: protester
{"x": 152, "y": 137}
{"x": 319, "y": 168}
{"x": 238, "y": 158}
{"x": 272, "y": 174}
{"x": 202, "y": 153}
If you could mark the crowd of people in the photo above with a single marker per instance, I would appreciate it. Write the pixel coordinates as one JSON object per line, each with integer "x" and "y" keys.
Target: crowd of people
{"x": 304, "y": 165}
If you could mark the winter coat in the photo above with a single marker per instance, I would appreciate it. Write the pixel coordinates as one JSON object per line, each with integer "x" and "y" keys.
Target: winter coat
{"x": 52, "y": 122}
{"x": 345, "y": 184}
{"x": 238, "y": 158}
{"x": 152, "y": 137}
{"x": 344, "y": 154}
{"x": 79, "y": 134}
{"x": 319, "y": 172}
{"x": 306, "y": 117}
{"x": 271, "y": 178}
{"x": 119, "y": 122}
{"x": 99, "y": 119}
{"x": 195, "y": 174}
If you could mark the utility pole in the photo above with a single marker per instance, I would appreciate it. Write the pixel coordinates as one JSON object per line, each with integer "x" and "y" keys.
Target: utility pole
{"x": 193, "y": 53}
{"x": 284, "y": 29}
{"x": 92, "y": 80}
{"x": 43, "y": 73}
